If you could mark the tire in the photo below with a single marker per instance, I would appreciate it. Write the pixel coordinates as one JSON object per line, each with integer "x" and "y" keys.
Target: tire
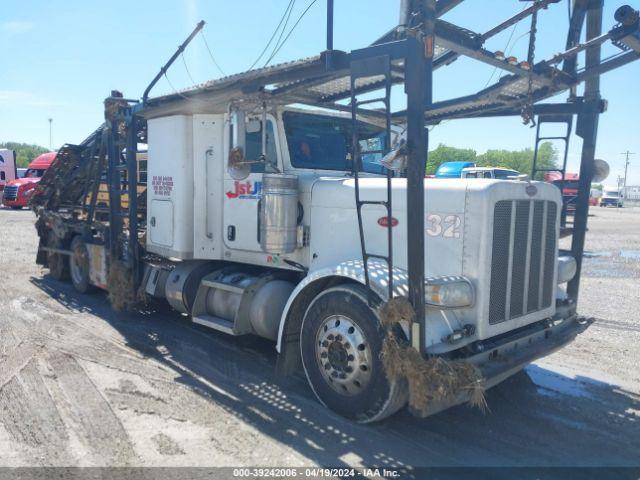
{"x": 79, "y": 266}
{"x": 340, "y": 321}
{"x": 58, "y": 264}
{"x": 15, "y": 207}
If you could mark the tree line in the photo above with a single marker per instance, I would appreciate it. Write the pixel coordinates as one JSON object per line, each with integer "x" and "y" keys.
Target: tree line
{"x": 519, "y": 160}
{"x": 25, "y": 152}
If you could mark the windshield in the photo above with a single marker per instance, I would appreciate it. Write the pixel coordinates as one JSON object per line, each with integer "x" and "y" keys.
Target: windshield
{"x": 321, "y": 142}
{"x": 34, "y": 173}
{"x": 505, "y": 174}
{"x": 611, "y": 193}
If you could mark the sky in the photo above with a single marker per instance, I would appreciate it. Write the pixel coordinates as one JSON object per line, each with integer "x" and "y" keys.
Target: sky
{"x": 61, "y": 59}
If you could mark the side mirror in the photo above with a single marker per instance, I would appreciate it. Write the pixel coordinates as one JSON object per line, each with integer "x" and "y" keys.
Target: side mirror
{"x": 396, "y": 159}
{"x": 236, "y": 166}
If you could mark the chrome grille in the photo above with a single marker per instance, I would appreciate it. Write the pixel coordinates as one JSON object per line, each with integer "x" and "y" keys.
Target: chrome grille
{"x": 522, "y": 259}
{"x": 10, "y": 192}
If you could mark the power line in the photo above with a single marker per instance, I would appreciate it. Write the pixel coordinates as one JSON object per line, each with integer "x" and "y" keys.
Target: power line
{"x": 285, "y": 14}
{"x": 291, "y": 31}
{"x": 193, "y": 82}
{"x": 211, "y": 55}
{"x": 286, "y": 22}
{"x": 513, "y": 30}
{"x": 181, "y": 95}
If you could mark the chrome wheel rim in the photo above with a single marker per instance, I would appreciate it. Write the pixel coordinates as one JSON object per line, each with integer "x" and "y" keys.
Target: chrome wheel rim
{"x": 343, "y": 355}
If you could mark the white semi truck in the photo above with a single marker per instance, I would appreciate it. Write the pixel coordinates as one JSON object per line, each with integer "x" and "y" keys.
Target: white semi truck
{"x": 296, "y": 224}
{"x": 278, "y": 254}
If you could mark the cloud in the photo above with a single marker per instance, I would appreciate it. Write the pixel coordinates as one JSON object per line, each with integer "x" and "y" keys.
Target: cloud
{"x": 16, "y": 27}
{"x": 18, "y": 98}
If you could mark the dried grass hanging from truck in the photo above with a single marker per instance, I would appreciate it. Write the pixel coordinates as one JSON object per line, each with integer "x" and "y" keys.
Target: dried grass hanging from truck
{"x": 431, "y": 380}
{"x": 123, "y": 293}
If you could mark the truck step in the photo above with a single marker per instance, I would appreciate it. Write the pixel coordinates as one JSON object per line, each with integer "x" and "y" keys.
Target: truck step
{"x": 215, "y": 323}
{"x": 222, "y": 286}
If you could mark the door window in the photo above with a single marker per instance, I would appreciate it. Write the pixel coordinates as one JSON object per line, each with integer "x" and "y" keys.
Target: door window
{"x": 253, "y": 147}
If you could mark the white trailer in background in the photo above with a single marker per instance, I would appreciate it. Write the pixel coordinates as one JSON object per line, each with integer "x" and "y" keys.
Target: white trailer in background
{"x": 8, "y": 169}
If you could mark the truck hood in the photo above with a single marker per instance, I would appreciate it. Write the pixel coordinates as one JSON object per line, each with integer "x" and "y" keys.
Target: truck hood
{"x": 22, "y": 181}
{"x": 456, "y": 211}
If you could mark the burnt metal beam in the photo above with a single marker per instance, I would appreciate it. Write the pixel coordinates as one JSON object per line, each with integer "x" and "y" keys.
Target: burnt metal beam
{"x": 485, "y": 56}
{"x": 542, "y": 4}
{"x": 576, "y": 22}
{"x": 166, "y": 66}
{"x": 329, "y": 25}
{"x": 604, "y": 67}
{"x": 587, "y": 129}
{"x": 419, "y": 91}
{"x": 442, "y": 7}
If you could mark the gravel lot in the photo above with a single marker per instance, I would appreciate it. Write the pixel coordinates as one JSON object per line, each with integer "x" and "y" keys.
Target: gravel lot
{"x": 81, "y": 385}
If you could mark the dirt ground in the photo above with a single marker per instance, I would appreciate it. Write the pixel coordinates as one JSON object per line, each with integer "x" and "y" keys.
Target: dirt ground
{"x": 81, "y": 385}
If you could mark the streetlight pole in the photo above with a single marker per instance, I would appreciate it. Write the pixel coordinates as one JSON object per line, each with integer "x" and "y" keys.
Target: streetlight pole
{"x": 51, "y": 134}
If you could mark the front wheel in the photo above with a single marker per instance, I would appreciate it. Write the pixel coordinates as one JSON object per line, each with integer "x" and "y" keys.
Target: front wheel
{"x": 340, "y": 342}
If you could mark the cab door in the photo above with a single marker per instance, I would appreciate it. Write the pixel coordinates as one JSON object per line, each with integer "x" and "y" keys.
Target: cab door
{"x": 242, "y": 194}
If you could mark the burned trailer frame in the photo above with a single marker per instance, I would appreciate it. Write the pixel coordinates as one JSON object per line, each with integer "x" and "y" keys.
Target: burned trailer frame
{"x": 67, "y": 199}
{"x": 420, "y": 45}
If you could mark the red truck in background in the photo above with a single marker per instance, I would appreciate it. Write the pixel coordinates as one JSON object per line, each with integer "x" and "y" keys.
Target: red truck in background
{"x": 17, "y": 192}
{"x": 569, "y": 189}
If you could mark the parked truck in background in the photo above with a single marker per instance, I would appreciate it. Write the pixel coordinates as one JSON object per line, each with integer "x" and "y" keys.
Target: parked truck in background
{"x": 8, "y": 170}
{"x": 498, "y": 173}
{"x": 452, "y": 169}
{"x": 17, "y": 192}
{"x": 612, "y": 197}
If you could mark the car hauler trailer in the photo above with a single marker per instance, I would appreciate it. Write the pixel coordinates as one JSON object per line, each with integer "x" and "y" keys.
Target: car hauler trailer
{"x": 308, "y": 226}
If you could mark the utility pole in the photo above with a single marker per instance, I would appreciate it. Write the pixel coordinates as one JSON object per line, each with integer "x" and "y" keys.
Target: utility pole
{"x": 627, "y": 154}
{"x": 51, "y": 134}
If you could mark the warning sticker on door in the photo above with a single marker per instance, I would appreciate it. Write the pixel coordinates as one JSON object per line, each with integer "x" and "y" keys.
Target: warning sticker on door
{"x": 162, "y": 186}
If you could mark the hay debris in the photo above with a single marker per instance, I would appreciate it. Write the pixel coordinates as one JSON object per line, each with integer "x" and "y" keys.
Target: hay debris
{"x": 431, "y": 380}
{"x": 123, "y": 294}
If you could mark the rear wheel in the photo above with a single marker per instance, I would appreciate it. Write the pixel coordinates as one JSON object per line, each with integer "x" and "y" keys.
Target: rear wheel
{"x": 340, "y": 342}
{"x": 58, "y": 263}
{"x": 79, "y": 265}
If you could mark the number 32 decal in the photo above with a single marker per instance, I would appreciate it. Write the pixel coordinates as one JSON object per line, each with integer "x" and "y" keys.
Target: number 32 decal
{"x": 447, "y": 226}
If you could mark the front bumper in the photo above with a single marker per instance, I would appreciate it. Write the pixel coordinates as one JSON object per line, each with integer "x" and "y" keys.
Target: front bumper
{"x": 499, "y": 359}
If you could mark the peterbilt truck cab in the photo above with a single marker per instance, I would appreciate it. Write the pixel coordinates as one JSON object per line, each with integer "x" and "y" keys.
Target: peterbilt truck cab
{"x": 273, "y": 243}
{"x": 18, "y": 191}
{"x": 290, "y": 224}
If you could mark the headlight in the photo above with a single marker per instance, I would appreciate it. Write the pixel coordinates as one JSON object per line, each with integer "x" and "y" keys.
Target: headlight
{"x": 567, "y": 268}
{"x": 449, "y": 292}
